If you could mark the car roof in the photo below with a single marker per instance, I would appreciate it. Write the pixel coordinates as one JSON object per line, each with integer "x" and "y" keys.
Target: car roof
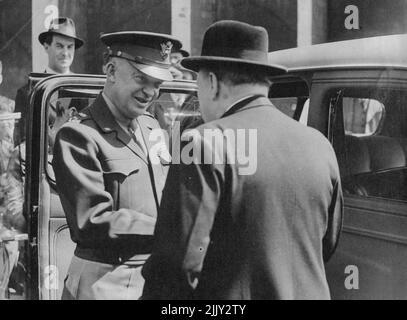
{"x": 384, "y": 51}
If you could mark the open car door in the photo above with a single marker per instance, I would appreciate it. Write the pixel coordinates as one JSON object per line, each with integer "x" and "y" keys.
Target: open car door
{"x": 51, "y": 248}
{"x": 15, "y": 275}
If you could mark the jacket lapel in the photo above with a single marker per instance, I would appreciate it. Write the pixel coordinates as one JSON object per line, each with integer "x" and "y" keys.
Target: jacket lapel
{"x": 158, "y": 168}
{"x": 105, "y": 120}
{"x": 146, "y": 131}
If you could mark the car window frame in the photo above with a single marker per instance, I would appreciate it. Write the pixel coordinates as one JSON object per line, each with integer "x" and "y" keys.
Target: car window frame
{"x": 324, "y": 87}
{"x": 290, "y": 83}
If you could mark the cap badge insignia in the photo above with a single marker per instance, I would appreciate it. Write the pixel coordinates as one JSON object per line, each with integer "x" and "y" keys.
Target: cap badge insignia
{"x": 166, "y": 50}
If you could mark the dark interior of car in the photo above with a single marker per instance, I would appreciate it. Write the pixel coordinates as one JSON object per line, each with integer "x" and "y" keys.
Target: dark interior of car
{"x": 374, "y": 165}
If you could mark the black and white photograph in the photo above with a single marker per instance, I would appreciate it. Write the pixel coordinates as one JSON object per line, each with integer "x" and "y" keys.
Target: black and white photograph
{"x": 203, "y": 153}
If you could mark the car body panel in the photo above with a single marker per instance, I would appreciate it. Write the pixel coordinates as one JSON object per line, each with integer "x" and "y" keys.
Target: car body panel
{"x": 371, "y": 258}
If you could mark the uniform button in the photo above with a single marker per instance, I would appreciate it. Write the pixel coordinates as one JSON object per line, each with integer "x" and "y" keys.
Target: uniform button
{"x": 120, "y": 259}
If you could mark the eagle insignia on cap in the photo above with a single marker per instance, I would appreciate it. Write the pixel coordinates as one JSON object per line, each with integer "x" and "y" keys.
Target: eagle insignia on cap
{"x": 166, "y": 50}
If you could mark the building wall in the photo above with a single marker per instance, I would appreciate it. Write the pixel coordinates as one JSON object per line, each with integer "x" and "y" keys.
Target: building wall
{"x": 279, "y": 17}
{"x": 202, "y": 15}
{"x": 102, "y": 16}
{"x": 15, "y": 44}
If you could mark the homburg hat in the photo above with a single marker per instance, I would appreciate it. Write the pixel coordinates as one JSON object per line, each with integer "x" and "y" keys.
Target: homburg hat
{"x": 234, "y": 43}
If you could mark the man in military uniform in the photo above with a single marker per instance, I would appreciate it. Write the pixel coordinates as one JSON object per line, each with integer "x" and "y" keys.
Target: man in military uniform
{"x": 177, "y": 56}
{"x": 108, "y": 183}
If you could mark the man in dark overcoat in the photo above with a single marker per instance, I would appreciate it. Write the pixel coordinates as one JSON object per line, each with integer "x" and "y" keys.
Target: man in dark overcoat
{"x": 60, "y": 43}
{"x": 254, "y": 208}
{"x": 109, "y": 172}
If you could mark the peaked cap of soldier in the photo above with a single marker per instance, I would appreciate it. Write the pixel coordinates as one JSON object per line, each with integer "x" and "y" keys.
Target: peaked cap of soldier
{"x": 146, "y": 51}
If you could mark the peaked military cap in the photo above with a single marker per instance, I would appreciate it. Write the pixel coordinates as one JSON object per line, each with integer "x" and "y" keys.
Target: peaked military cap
{"x": 146, "y": 51}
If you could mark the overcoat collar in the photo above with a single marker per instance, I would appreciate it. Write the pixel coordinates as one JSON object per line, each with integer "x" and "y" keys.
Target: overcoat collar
{"x": 104, "y": 118}
{"x": 259, "y": 102}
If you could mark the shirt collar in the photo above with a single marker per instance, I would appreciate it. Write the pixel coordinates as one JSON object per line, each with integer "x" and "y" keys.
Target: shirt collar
{"x": 122, "y": 121}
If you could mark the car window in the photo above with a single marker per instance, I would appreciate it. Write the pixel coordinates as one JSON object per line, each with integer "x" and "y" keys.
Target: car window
{"x": 362, "y": 117}
{"x": 286, "y": 105}
{"x": 64, "y": 105}
{"x": 370, "y": 140}
{"x": 292, "y": 99}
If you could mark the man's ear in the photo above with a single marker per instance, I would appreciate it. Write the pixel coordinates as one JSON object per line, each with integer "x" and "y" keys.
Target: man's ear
{"x": 110, "y": 70}
{"x": 214, "y": 85}
{"x": 72, "y": 112}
